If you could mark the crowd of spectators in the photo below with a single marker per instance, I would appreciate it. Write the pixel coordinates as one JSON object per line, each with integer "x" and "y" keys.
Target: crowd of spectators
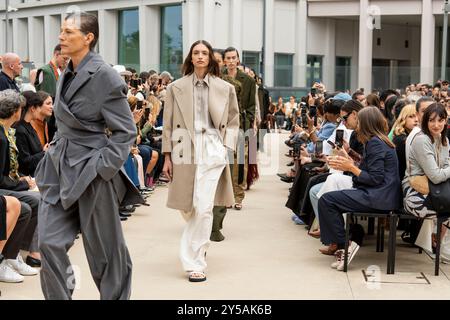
{"x": 349, "y": 151}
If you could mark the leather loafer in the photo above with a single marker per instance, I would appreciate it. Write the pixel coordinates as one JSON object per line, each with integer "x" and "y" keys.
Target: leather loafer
{"x": 330, "y": 250}
{"x": 32, "y": 262}
{"x": 287, "y": 179}
{"x": 124, "y": 214}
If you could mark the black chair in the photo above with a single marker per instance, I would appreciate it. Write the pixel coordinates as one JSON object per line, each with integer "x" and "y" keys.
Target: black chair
{"x": 380, "y": 235}
{"x": 440, "y": 221}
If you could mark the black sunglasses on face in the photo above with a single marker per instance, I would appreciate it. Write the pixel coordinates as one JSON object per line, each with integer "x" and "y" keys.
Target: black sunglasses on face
{"x": 346, "y": 117}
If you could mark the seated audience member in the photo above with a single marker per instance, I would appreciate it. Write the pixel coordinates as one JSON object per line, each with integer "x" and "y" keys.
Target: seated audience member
{"x": 405, "y": 123}
{"x": 376, "y": 178}
{"x": 429, "y": 156}
{"x": 13, "y": 184}
{"x": 28, "y": 143}
{"x": 149, "y": 156}
{"x": 373, "y": 100}
{"x": 9, "y": 213}
{"x": 280, "y": 114}
{"x": 331, "y": 115}
{"x": 44, "y": 123}
{"x": 338, "y": 181}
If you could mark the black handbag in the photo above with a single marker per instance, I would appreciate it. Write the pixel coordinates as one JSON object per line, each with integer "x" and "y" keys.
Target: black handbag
{"x": 439, "y": 197}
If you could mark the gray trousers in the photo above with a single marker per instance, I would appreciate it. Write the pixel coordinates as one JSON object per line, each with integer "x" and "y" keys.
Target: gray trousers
{"x": 24, "y": 235}
{"x": 96, "y": 214}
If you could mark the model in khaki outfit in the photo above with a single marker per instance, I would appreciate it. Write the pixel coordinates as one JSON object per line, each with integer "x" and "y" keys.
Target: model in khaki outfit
{"x": 247, "y": 116}
{"x": 201, "y": 122}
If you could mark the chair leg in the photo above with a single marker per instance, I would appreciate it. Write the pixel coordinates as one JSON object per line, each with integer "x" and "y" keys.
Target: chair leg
{"x": 347, "y": 236}
{"x": 438, "y": 247}
{"x": 370, "y": 226}
{"x": 392, "y": 243}
{"x": 378, "y": 236}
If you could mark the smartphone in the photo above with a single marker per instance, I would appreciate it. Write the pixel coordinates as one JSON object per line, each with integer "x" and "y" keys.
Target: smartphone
{"x": 331, "y": 143}
{"x": 313, "y": 91}
{"x": 139, "y": 105}
{"x": 160, "y": 81}
{"x": 312, "y": 111}
{"x": 339, "y": 138}
{"x": 319, "y": 148}
{"x": 304, "y": 121}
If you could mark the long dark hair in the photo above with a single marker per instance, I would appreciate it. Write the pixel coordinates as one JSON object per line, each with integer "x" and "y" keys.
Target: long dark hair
{"x": 213, "y": 66}
{"x": 372, "y": 123}
{"x": 439, "y": 110}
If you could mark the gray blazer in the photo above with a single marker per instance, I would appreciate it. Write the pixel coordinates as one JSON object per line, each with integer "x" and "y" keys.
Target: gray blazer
{"x": 81, "y": 150}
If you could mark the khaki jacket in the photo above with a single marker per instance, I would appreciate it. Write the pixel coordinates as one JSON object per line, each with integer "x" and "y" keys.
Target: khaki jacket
{"x": 178, "y": 137}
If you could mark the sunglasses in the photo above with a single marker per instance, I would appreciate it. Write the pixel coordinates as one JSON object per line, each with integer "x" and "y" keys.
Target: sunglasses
{"x": 345, "y": 117}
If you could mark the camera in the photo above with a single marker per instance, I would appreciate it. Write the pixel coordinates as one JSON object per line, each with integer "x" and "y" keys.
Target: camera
{"x": 135, "y": 83}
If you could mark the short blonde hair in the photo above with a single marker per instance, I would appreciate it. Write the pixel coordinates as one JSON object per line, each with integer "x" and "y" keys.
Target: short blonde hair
{"x": 399, "y": 125}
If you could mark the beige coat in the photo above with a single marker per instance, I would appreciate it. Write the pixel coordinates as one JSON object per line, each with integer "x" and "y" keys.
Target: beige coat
{"x": 178, "y": 137}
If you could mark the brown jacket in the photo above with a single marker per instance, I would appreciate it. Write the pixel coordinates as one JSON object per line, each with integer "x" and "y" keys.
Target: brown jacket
{"x": 178, "y": 134}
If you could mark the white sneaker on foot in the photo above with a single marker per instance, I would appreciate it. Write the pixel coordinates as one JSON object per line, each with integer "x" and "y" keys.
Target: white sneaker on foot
{"x": 21, "y": 267}
{"x": 352, "y": 249}
{"x": 8, "y": 274}
{"x": 338, "y": 255}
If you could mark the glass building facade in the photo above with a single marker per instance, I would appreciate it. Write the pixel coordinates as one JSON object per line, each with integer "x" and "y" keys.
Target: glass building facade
{"x": 129, "y": 38}
{"x": 171, "y": 40}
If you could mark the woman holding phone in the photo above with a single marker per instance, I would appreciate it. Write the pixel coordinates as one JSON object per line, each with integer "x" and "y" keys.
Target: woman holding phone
{"x": 376, "y": 178}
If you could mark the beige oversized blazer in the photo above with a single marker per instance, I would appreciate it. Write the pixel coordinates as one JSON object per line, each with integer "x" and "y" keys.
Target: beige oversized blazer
{"x": 178, "y": 137}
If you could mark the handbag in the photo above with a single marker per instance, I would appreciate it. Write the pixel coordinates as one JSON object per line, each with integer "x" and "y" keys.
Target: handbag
{"x": 418, "y": 183}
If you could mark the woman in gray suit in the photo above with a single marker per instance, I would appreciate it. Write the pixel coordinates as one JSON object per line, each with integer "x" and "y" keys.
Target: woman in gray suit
{"x": 80, "y": 177}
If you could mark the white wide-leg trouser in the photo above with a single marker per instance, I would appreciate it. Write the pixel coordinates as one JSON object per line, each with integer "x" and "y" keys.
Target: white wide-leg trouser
{"x": 211, "y": 159}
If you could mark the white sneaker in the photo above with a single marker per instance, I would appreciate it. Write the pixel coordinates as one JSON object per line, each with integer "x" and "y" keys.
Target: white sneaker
{"x": 8, "y": 274}
{"x": 21, "y": 267}
{"x": 352, "y": 249}
{"x": 338, "y": 255}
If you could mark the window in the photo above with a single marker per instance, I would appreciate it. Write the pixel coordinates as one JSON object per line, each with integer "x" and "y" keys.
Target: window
{"x": 171, "y": 40}
{"x": 313, "y": 69}
{"x": 252, "y": 60}
{"x": 283, "y": 70}
{"x": 129, "y": 38}
{"x": 343, "y": 73}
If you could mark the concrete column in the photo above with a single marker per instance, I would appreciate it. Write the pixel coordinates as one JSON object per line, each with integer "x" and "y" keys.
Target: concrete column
{"x": 52, "y": 26}
{"x": 20, "y": 37}
{"x": 2, "y": 36}
{"x": 36, "y": 40}
{"x": 427, "y": 43}
{"x": 108, "y": 43}
{"x": 236, "y": 25}
{"x": 190, "y": 20}
{"x": 365, "y": 47}
{"x": 300, "y": 44}
{"x": 149, "y": 37}
{"x": 329, "y": 60}
{"x": 207, "y": 20}
{"x": 355, "y": 57}
{"x": 269, "y": 54}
